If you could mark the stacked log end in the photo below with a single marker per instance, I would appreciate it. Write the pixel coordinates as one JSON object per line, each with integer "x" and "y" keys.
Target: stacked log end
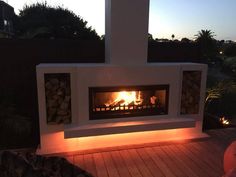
{"x": 191, "y": 86}
{"x": 58, "y": 98}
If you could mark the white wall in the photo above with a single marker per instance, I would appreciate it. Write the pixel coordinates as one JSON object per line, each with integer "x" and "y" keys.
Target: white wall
{"x": 126, "y": 31}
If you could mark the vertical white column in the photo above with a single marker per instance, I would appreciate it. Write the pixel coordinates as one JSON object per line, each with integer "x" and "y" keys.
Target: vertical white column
{"x": 126, "y": 31}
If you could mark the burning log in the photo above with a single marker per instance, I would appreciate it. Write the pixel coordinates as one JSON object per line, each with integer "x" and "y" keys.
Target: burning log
{"x": 117, "y": 103}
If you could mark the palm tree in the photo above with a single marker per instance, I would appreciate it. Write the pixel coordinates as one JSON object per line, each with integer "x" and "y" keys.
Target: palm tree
{"x": 172, "y": 36}
{"x": 204, "y": 35}
{"x": 207, "y": 43}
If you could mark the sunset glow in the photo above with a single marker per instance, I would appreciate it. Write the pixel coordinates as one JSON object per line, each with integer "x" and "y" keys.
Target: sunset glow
{"x": 183, "y": 18}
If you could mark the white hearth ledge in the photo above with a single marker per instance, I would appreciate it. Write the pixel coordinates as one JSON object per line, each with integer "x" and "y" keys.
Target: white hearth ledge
{"x": 127, "y": 127}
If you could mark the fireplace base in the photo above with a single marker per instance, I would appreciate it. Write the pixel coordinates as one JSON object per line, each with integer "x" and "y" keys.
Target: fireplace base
{"x": 61, "y": 145}
{"x": 65, "y": 122}
{"x": 127, "y": 127}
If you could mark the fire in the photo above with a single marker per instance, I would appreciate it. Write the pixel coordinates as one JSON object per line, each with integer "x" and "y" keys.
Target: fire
{"x": 125, "y": 98}
{"x": 224, "y": 121}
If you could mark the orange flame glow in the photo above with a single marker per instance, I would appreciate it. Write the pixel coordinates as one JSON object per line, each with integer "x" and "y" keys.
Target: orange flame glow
{"x": 224, "y": 121}
{"x": 125, "y": 98}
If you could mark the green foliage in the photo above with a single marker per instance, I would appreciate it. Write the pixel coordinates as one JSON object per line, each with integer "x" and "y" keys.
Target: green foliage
{"x": 224, "y": 93}
{"x": 228, "y": 102}
{"x": 204, "y": 35}
{"x": 229, "y": 66}
{"x": 15, "y": 129}
{"x": 230, "y": 50}
{"x": 42, "y": 21}
{"x": 219, "y": 89}
{"x": 205, "y": 38}
{"x": 185, "y": 40}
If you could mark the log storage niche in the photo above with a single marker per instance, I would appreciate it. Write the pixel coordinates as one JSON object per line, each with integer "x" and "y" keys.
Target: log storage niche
{"x": 191, "y": 87}
{"x": 58, "y": 98}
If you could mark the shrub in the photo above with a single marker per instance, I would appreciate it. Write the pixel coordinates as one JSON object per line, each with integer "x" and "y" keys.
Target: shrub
{"x": 230, "y": 50}
{"x": 229, "y": 66}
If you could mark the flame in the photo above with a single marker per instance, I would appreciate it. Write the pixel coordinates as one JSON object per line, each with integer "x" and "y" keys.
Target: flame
{"x": 125, "y": 98}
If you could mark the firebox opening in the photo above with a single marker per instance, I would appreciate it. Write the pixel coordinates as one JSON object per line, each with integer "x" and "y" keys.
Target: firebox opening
{"x": 128, "y": 101}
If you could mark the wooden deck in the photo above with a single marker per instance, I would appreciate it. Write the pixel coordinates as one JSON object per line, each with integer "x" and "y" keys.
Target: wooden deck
{"x": 198, "y": 158}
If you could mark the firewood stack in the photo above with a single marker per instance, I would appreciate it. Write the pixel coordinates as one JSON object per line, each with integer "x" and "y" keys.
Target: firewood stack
{"x": 191, "y": 85}
{"x": 58, "y": 98}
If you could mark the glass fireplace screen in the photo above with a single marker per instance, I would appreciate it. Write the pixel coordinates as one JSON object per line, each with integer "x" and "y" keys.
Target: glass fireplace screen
{"x": 128, "y": 101}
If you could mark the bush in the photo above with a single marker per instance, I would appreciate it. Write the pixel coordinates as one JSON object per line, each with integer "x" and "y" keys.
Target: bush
{"x": 230, "y": 50}
{"x": 229, "y": 66}
{"x": 221, "y": 99}
{"x": 15, "y": 129}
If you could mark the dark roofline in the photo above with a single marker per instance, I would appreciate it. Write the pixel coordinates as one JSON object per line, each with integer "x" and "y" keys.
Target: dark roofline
{"x": 4, "y": 3}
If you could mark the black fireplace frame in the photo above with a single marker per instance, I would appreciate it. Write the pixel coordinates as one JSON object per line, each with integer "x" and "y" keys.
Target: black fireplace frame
{"x": 127, "y": 113}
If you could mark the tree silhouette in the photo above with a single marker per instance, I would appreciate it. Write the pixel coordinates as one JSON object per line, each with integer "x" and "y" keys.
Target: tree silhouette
{"x": 205, "y": 39}
{"x": 42, "y": 21}
{"x": 172, "y": 36}
{"x": 150, "y": 37}
{"x": 204, "y": 35}
{"x": 185, "y": 40}
{"x": 230, "y": 50}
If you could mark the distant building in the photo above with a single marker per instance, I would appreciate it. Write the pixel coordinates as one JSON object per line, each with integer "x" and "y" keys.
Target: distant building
{"x": 6, "y": 17}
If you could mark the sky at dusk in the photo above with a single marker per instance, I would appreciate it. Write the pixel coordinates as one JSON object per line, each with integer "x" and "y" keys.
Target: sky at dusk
{"x": 183, "y": 18}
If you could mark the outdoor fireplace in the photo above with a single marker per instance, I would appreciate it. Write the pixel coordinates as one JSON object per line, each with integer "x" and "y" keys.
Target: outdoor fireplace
{"x": 124, "y": 100}
{"x": 128, "y": 101}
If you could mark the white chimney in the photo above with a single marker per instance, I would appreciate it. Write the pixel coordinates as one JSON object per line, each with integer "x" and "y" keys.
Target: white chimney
{"x": 126, "y": 31}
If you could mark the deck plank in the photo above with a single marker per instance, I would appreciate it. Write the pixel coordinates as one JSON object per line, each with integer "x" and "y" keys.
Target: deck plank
{"x": 111, "y": 168}
{"x": 139, "y": 163}
{"x": 159, "y": 162}
{"x": 89, "y": 164}
{"x": 100, "y": 165}
{"x": 192, "y": 164}
{"x": 133, "y": 170}
{"x": 212, "y": 150}
{"x": 199, "y": 162}
{"x": 181, "y": 163}
{"x": 155, "y": 171}
{"x": 202, "y": 158}
{"x": 79, "y": 161}
{"x": 120, "y": 164}
{"x": 169, "y": 161}
{"x": 230, "y": 133}
{"x": 205, "y": 157}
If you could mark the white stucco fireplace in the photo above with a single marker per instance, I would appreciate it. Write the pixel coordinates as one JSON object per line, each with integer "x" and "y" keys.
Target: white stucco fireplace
{"x": 123, "y": 101}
